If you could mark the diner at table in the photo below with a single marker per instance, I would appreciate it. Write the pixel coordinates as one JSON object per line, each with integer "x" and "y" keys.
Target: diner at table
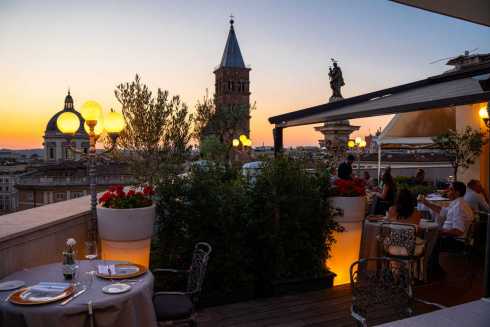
{"x": 443, "y": 230}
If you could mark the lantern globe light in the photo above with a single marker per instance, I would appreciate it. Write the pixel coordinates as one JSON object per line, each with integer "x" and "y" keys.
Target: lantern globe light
{"x": 351, "y": 144}
{"x": 114, "y": 122}
{"x": 363, "y": 144}
{"x": 236, "y": 142}
{"x": 358, "y": 140}
{"x": 243, "y": 138}
{"x": 248, "y": 143}
{"x": 68, "y": 123}
{"x": 91, "y": 110}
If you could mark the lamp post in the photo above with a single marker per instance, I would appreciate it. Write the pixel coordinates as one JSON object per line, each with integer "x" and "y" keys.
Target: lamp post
{"x": 358, "y": 145}
{"x": 484, "y": 115}
{"x": 68, "y": 124}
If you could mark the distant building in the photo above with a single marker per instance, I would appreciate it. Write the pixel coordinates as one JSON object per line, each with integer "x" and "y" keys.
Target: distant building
{"x": 232, "y": 81}
{"x": 67, "y": 180}
{"x": 9, "y": 176}
{"x": 55, "y": 143}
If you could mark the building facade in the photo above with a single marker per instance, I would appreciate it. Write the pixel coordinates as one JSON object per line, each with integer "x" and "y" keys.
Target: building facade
{"x": 56, "y": 144}
{"x": 9, "y": 195}
{"x": 67, "y": 180}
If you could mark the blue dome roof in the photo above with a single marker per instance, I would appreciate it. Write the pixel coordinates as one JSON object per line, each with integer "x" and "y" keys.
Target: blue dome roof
{"x": 51, "y": 126}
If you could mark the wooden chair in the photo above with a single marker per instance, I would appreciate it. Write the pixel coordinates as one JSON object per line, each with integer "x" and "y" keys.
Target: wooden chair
{"x": 178, "y": 307}
{"x": 382, "y": 290}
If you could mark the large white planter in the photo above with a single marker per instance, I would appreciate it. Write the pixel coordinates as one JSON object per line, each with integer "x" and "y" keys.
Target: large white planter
{"x": 353, "y": 208}
{"x": 126, "y": 233}
{"x": 346, "y": 250}
{"x": 125, "y": 224}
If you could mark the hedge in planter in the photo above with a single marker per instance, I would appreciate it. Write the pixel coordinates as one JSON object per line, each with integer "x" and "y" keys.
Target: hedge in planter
{"x": 276, "y": 229}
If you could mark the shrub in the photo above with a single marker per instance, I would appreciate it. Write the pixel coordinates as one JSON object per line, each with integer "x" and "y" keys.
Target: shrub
{"x": 277, "y": 228}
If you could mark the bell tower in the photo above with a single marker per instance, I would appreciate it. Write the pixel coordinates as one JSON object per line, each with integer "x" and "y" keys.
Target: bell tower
{"x": 232, "y": 83}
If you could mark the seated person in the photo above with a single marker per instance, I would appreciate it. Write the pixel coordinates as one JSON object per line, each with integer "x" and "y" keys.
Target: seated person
{"x": 384, "y": 200}
{"x": 403, "y": 211}
{"x": 475, "y": 196}
{"x": 458, "y": 215}
{"x": 419, "y": 178}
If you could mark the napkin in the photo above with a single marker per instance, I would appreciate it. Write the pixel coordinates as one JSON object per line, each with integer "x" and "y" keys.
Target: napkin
{"x": 104, "y": 269}
{"x": 48, "y": 289}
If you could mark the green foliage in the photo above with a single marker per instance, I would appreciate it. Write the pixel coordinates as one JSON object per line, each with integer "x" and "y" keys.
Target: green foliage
{"x": 157, "y": 131}
{"x": 212, "y": 149}
{"x": 278, "y": 228}
{"x": 463, "y": 147}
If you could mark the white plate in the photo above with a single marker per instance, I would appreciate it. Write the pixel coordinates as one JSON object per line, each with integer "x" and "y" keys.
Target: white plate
{"x": 116, "y": 288}
{"x": 11, "y": 285}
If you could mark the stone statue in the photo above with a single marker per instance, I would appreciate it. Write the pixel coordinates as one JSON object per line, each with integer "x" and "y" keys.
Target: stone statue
{"x": 336, "y": 81}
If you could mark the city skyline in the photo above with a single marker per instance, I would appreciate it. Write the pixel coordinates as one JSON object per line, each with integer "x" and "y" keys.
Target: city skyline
{"x": 46, "y": 49}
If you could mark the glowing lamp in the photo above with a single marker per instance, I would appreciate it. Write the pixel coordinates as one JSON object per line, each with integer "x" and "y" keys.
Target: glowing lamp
{"x": 351, "y": 144}
{"x": 68, "y": 123}
{"x": 358, "y": 140}
{"x": 243, "y": 139}
{"x": 248, "y": 143}
{"x": 483, "y": 111}
{"x": 363, "y": 144}
{"x": 235, "y": 142}
{"x": 91, "y": 110}
{"x": 114, "y": 122}
{"x": 98, "y": 129}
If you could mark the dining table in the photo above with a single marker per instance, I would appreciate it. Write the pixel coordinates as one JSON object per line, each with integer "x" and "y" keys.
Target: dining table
{"x": 369, "y": 246}
{"x": 92, "y": 308}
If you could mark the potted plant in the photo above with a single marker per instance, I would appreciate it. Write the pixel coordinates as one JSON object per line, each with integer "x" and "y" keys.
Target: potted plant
{"x": 125, "y": 222}
{"x": 349, "y": 196}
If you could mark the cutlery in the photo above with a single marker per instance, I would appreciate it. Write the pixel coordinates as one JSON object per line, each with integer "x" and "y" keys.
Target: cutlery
{"x": 77, "y": 294}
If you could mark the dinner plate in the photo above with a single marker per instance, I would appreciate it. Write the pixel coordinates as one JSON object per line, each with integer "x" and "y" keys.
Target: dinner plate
{"x": 11, "y": 285}
{"x": 116, "y": 288}
{"x": 134, "y": 270}
{"x": 19, "y": 297}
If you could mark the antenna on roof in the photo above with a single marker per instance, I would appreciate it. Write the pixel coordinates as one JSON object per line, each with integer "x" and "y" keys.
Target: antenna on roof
{"x": 466, "y": 53}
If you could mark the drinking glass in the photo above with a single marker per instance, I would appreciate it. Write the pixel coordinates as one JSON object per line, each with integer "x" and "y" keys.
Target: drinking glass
{"x": 91, "y": 253}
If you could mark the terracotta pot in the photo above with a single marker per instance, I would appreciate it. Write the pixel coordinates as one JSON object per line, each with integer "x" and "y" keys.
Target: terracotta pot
{"x": 353, "y": 208}
{"x": 126, "y": 224}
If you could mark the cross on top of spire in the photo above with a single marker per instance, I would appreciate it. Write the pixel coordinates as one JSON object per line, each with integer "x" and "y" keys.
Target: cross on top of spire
{"x": 231, "y": 20}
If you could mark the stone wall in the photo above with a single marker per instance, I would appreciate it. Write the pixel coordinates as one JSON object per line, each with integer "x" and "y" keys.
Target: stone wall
{"x": 37, "y": 236}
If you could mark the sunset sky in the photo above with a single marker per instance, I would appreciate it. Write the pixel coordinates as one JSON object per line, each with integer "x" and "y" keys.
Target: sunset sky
{"x": 47, "y": 47}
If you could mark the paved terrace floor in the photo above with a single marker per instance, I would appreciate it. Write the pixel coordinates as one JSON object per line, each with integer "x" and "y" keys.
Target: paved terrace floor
{"x": 461, "y": 283}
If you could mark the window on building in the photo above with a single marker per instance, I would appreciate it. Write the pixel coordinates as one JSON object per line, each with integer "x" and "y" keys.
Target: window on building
{"x": 30, "y": 196}
{"x": 51, "y": 153}
{"x": 76, "y": 194}
{"x": 59, "y": 196}
{"x": 6, "y": 188}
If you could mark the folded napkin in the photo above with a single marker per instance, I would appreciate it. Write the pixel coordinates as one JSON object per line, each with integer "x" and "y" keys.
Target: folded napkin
{"x": 127, "y": 270}
{"x": 47, "y": 289}
{"x": 104, "y": 269}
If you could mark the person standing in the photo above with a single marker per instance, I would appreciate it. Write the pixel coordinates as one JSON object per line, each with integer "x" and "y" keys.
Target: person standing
{"x": 345, "y": 168}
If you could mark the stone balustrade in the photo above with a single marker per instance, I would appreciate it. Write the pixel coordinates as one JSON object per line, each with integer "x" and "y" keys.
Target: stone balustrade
{"x": 37, "y": 236}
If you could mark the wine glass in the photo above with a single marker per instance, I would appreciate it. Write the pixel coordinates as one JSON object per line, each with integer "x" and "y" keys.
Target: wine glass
{"x": 91, "y": 251}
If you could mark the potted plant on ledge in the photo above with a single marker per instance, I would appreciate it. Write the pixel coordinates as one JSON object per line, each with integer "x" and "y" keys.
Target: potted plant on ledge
{"x": 125, "y": 222}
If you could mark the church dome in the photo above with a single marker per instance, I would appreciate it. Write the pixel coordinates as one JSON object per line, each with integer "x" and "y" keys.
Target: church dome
{"x": 51, "y": 127}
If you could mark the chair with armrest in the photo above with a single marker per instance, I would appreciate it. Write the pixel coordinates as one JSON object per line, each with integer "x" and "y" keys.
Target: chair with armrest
{"x": 382, "y": 290}
{"x": 178, "y": 307}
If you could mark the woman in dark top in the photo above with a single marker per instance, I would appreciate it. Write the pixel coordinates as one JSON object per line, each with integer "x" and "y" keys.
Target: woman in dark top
{"x": 404, "y": 210}
{"x": 386, "y": 198}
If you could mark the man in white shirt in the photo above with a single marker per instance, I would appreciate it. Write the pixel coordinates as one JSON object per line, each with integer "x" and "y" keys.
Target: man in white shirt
{"x": 475, "y": 196}
{"x": 458, "y": 215}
